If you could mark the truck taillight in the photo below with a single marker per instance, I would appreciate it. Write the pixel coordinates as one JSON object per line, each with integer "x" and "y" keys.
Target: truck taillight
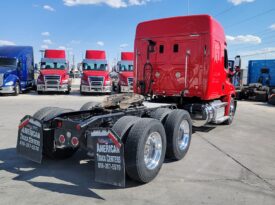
{"x": 78, "y": 127}
{"x": 62, "y": 139}
{"x": 74, "y": 141}
{"x": 59, "y": 124}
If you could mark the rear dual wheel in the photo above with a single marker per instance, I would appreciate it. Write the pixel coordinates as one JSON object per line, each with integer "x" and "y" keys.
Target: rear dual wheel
{"x": 147, "y": 141}
{"x": 178, "y": 128}
{"x": 145, "y": 150}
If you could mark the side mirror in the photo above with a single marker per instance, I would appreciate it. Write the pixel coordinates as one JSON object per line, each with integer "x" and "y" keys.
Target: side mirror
{"x": 36, "y": 68}
{"x": 237, "y": 61}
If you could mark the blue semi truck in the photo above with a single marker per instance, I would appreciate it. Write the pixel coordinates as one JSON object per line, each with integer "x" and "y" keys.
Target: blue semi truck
{"x": 16, "y": 69}
{"x": 260, "y": 81}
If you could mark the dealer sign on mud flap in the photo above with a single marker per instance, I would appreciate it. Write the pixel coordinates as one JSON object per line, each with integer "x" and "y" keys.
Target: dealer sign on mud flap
{"x": 109, "y": 158}
{"x": 30, "y": 139}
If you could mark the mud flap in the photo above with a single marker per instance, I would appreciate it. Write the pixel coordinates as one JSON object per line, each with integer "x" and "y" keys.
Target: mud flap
{"x": 30, "y": 139}
{"x": 109, "y": 158}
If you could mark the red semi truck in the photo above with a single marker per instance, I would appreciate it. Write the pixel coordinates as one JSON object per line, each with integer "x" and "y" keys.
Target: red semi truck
{"x": 95, "y": 78}
{"x": 54, "y": 75}
{"x": 184, "y": 59}
{"x": 181, "y": 62}
{"x": 125, "y": 72}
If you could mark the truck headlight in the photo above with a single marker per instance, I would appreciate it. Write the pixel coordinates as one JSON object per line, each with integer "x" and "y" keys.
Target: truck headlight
{"x": 84, "y": 82}
{"x": 9, "y": 83}
{"x": 123, "y": 83}
{"x": 108, "y": 83}
{"x": 65, "y": 81}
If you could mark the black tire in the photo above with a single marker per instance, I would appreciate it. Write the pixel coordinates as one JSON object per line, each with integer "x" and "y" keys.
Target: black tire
{"x": 232, "y": 112}
{"x": 239, "y": 96}
{"x": 68, "y": 91}
{"x": 161, "y": 114}
{"x": 173, "y": 131}
{"x": 55, "y": 112}
{"x": 261, "y": 97}
{"x": 90, "y": 106}
{"x": 39, "y": 92}
{"x": 135, "y": 146}
{"x": 123, "y": 125}
{"x": 16, "y": 89}
{"x": 43, "y": 112}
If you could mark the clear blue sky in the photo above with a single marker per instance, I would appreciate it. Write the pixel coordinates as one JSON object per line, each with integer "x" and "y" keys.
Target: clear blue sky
{"x": 110, "y": 24}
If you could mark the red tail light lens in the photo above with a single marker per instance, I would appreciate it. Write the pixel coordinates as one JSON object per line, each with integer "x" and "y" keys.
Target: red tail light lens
{"x": 78, "y": 127}
{"x": 59, "y": 124}
{"x": 75, "y": 141}
{"x": 62, "y": 139}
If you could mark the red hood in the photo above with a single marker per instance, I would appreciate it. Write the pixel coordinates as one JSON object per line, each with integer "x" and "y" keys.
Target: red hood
{"x": 53, "y": 72}
{"x": 96, "y": 73}
{"x": 127, "y": 74}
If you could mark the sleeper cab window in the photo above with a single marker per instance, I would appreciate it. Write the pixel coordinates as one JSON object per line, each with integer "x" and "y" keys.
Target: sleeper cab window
{"x": 176, "y": 48}
{"x": 161, "y": 48}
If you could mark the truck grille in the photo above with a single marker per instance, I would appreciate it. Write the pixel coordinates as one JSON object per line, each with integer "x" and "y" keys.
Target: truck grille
{"x": 1, "y": 79}
{"x": 52, "y": 80}
{"x": 96, "y": 81}
{"x": 130, "y": 81}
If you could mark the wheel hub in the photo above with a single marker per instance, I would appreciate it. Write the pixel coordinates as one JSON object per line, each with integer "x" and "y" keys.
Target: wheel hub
{"x": 153, "y": 150}
{"x": 184, "y": 135}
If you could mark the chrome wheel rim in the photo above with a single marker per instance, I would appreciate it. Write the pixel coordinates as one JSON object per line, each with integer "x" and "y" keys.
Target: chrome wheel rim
{"x": 184, "y": 135}
{"x": 232, "y": 107}
{"x": 153, "y": 150}
{"x": 17, "y": 88}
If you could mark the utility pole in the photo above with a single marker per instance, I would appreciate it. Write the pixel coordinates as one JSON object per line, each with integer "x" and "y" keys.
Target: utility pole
{"x": 73, "y": 62}
{"x": 188, "y": 7}
{"x": 42, "y": 53}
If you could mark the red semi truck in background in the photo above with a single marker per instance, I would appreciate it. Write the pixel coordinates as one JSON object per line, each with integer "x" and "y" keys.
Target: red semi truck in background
{"x": 54, "y": 75}
{"x": 95, "y": 78}
{"x": 180, "y": 61}
{"x": 125, "y": 72}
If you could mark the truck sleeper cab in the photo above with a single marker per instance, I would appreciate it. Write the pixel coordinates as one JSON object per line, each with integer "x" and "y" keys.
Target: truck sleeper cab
{"x": 54, "y": 75}
{"x": 185, "y": 59}
{"x": 125, "y": 72}
{"x": 95, "y": 78}
{"x": 16, "y": 69}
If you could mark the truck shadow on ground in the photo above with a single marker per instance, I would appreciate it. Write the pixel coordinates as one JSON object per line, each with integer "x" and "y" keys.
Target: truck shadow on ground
{"x": 75, "y": 176}
{"x": 265, "y": 105}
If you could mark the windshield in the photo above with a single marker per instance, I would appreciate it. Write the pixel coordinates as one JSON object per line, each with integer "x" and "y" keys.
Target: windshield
{"x": 53, "y": 65}
{"x": 95, "y": 66}
{"x": 125, "y": 66}
{"x": 8, "y": 62}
